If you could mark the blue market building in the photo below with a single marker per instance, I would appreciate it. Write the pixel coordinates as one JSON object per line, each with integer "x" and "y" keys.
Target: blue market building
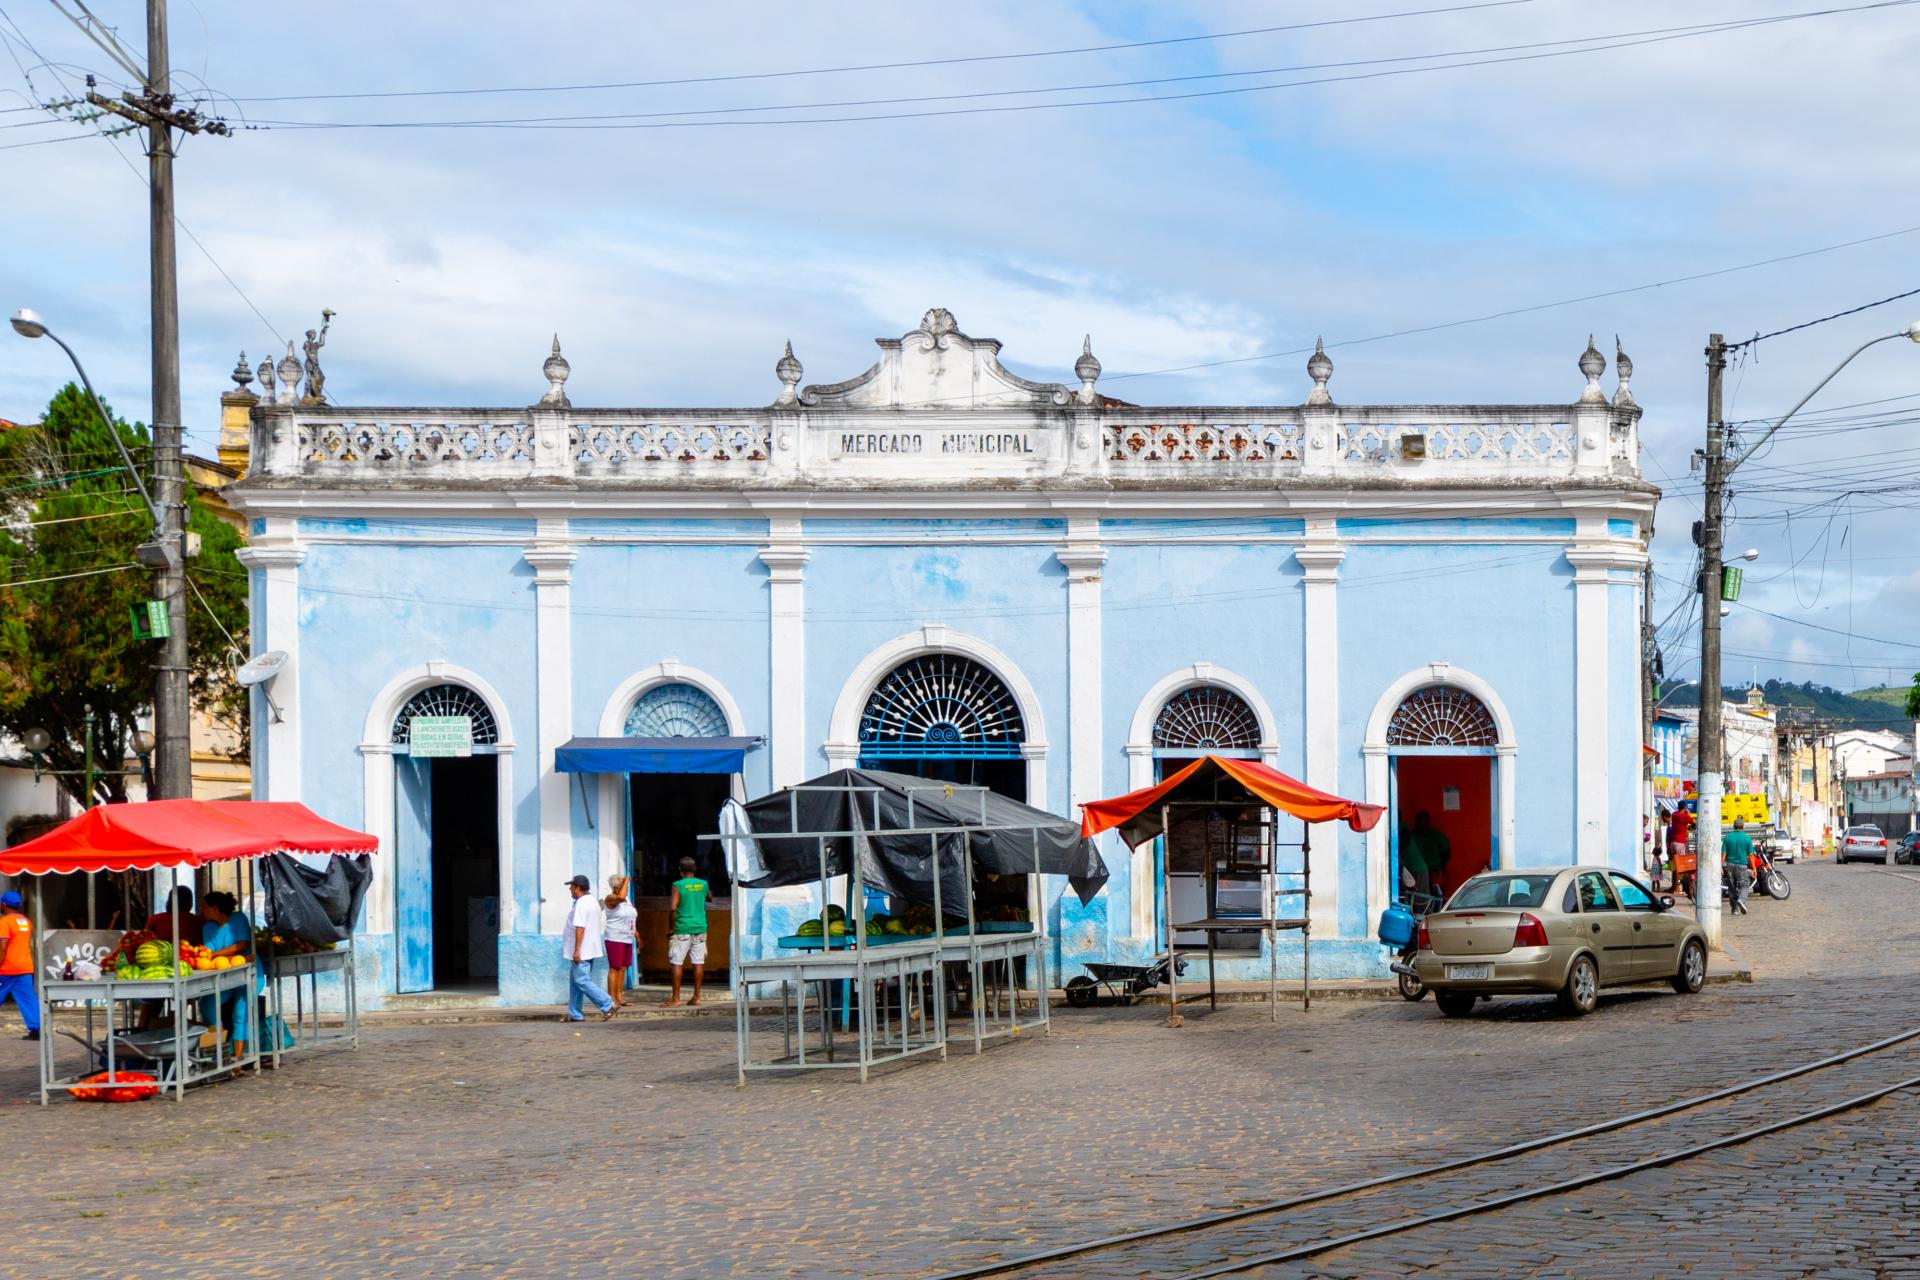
{"x": 938, "y": 567}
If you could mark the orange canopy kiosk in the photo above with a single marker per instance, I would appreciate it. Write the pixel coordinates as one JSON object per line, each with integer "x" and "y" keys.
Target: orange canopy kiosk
{"x": 1221, "y": 820}
{"x": 170, "y": 835}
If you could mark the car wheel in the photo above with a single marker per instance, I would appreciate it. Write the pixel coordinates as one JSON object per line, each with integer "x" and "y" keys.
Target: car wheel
{"x": 1455, "y": 1004}
{"x": 1582, "y": 990}
{"x": 1692, "y": 973}
{"x": 1411, "y": 988}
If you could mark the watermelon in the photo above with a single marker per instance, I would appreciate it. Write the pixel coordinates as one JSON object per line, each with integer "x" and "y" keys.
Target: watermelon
{"x": 147, "y": 953}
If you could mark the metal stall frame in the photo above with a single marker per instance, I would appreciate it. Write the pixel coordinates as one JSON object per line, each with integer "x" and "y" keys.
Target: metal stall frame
{"x": 115, "y": 993}
{"x": 985, "y": 951}
{"x": 1268, "y": 922}
{"x": 890, "y": 960}
{"x": 303, "y": 971}
{"x": 909, "y": 962}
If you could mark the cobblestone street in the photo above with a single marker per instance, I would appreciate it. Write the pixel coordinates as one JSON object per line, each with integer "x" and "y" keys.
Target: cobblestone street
{"x": 545, "y": 1149}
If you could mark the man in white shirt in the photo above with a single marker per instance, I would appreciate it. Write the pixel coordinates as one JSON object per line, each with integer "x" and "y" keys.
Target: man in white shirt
{"x": 581, "y": 943}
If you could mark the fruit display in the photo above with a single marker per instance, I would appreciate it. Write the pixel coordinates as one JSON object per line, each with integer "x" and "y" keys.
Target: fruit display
{"x": 280, "y": 944}
{"x": 130, "y": 942}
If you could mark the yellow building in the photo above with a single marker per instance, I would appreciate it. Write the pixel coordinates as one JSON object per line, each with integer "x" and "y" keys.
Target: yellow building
{"x": 221, "y": 768}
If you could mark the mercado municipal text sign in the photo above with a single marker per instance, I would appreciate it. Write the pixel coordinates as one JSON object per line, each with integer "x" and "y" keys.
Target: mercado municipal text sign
{"x": 440, "y": 736}
{"x": 934, "y": 442}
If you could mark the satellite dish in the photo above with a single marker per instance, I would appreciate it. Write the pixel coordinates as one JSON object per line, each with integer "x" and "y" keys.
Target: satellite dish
{"x": 259, "y": 670}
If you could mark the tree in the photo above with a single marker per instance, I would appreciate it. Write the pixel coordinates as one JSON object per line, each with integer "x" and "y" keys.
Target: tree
{"x": 72, "y": 519}
{"x": 1913, "y": 698}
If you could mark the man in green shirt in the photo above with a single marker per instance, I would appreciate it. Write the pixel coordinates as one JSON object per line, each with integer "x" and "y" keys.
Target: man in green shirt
{"x": 687, "y": 934}
{"x": 1736, "y": 847}
{"x": 1430, "y": 854}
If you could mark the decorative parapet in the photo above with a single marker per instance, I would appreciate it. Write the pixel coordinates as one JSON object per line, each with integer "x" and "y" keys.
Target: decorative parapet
{"x": 938, "y": 408}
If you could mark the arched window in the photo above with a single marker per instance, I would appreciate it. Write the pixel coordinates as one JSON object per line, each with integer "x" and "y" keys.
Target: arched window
{"x": 447, "y": 700}
{"x": 1442, "y": 716}
{"x": 1204, "y": 719}
{"x": 676, "y": 711}
{"x": 941, "y": 705}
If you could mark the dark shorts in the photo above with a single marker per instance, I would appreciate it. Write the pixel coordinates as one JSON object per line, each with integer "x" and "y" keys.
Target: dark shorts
{"x": 619, "y": 955}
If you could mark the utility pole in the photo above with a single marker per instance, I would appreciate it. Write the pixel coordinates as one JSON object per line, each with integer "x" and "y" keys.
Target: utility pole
{"x": 1706, "y": 870}
{"x": 171, "y": 714}
{"x": 154, "y": 110}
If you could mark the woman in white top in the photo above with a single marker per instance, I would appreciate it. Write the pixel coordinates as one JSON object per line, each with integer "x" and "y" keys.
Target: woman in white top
{"x": 621, "y": 918}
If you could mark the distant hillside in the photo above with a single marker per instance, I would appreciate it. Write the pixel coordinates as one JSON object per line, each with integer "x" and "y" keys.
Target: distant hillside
{"x": 1882, "y": 708}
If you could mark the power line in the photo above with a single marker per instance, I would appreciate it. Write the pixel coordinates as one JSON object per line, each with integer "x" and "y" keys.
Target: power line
{"x": 562, "y": 122}
{"x": 889, "y": 66}
{"x": 848, "y": 103}
{"x": 1808, "y": 324}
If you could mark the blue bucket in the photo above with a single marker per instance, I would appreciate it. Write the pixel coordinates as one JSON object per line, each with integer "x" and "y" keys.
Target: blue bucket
{"x": 1397, "y": 926}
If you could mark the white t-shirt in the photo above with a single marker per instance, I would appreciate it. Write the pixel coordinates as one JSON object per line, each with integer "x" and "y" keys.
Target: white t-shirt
{"x": 621, "y": 921}
{"x": 584, "y": 914}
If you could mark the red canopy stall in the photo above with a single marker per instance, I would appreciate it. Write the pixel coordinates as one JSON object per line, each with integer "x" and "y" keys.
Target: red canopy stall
{"x": 1220, "y": 820}
{"x": 172, "y": 835}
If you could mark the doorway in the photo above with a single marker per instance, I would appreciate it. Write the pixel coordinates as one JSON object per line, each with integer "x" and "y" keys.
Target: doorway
{"x": 447, "y": 873}
{"x": 1456, "y": 792}
{"x": 668, "y": 813}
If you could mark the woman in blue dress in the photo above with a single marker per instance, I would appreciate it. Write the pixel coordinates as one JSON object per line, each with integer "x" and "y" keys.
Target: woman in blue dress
{"x": 228, "y": 932}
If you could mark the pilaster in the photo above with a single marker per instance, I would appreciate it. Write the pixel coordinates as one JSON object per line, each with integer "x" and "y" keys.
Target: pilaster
{"x": 274, "y": 560}
{"x": 1320, "y": 558}
{"x": 552, "y": 560}
{"x": 1594, "y": 558}
{"x": 786, "y": 560}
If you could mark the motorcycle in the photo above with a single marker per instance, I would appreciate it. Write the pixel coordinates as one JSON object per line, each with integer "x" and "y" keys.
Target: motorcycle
{"x": 1400, "y": 929}
{"x": 1767, "y": 877}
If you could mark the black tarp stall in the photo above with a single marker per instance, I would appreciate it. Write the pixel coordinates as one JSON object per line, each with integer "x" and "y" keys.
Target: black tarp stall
{"x": 895, "y": 811}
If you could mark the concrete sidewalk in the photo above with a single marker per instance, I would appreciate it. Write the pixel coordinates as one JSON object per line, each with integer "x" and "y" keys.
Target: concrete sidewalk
{"x": 645, "y": 1006}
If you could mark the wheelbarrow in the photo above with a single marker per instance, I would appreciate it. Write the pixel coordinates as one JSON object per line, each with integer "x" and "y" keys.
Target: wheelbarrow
{"x": 1121, "y": 981}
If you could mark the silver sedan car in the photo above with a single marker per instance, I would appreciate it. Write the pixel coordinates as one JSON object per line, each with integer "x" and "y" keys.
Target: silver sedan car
{"x": 1564, "y": 930}
{"x": 1864, "y": 843}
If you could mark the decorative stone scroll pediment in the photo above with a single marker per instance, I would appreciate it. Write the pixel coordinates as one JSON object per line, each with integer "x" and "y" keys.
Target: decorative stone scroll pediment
{"x": 935, "y": 367}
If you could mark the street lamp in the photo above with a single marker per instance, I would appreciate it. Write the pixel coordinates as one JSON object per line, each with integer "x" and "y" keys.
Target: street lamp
{"x": 28, "y": 324}
{"x": 37, "y": 741}
{"x": 1720, "y": 469}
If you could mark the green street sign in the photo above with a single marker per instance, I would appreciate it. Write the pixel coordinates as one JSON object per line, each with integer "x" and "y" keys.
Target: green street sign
{"x": 1730, "y": 582}
{"x": 151, "y": 621}
{"x": 430, "y": 736}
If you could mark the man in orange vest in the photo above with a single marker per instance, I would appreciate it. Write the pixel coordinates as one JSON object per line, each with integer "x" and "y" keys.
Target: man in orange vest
{"x": 16, "y": 963}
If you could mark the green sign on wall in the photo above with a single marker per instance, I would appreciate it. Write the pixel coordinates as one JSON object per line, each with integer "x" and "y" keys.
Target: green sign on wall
{"x": 1730, "y": 582}
{"x": 440, "y": 736}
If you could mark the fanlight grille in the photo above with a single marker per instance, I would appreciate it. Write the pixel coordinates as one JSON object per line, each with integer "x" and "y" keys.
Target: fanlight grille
{"x": 941, "y": 705}
{"x": 1442, "y": 716}
{"x": 1206, "y": 718}
{"x": 447, "y": 700}
{"x": 676, "y": 711}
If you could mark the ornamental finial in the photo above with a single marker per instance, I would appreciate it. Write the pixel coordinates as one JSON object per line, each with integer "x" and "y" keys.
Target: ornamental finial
{"x": 1592, "y": 364}
{"x": 788, "y": 369}
{"x": 1320, "y": 369}
{"x": 242, "y": 373}
{"x": 1087, "y": 369}
{"x": 289, "y": 376}
{"x": 1622, "y": 365}
{"x": 557, "y": 371}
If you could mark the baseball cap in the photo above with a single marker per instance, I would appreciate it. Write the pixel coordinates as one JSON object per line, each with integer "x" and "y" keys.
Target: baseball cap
{"x": 581, "y": 882}
{"x": 9, "y": 899}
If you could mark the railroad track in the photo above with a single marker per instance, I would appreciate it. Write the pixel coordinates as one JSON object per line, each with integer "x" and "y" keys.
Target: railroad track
{"x": 1241, "y": 1239}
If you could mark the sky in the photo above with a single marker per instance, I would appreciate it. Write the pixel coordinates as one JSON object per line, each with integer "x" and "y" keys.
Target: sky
{"x": 1385, "y": 189}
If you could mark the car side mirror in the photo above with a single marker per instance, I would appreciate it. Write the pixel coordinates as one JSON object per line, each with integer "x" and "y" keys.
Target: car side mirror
{"x": 1666, "y": 902}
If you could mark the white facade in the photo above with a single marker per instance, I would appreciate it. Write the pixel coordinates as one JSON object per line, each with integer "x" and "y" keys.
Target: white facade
{"x": 1417, "y": 606}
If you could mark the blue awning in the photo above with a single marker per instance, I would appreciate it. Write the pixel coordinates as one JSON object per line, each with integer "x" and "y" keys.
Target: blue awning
{"x": 653, "y": 755}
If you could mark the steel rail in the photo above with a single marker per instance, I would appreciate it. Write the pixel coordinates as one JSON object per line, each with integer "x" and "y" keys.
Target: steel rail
{"x": 1557, "y": 1188}
{"x": 1224, "y": 1216}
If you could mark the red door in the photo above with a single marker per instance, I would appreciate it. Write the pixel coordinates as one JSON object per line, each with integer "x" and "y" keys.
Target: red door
{"x": 1429, "y": 785}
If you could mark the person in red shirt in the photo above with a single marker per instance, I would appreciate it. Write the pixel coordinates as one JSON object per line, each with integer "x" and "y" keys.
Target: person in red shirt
{"x": 160, "y": 923}
{"x": 16, "y": 963}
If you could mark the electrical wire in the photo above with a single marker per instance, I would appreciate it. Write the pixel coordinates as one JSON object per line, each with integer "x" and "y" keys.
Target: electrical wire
{"x": 1808, "y": 324}
{"x": 1085, "y": 87}
{"x": 64, "y": 577}
{"x": 892, "y": 66}
{"x": 624, "y": 123}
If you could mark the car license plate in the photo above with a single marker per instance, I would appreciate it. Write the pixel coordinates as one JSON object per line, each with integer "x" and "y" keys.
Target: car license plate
{"x": 1459, "y": 971}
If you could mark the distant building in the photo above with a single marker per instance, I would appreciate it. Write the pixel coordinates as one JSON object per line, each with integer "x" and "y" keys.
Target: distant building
{"x": 1885, "y": 800}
